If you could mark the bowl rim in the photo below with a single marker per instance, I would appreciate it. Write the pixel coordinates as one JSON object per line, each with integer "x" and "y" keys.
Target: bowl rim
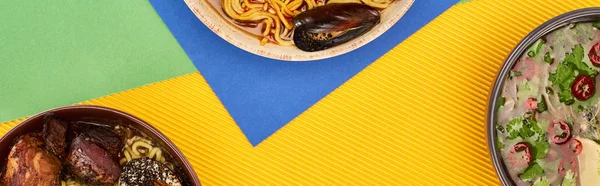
{"x": 305, "y": 56}
{"x": 575, "y": 16}
{"x": 187, "y": 166}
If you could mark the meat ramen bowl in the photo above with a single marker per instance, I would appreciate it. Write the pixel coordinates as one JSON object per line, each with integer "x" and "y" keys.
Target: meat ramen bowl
{"x": 253, "y": 37}
{"x": 542, "y": 122}
{"x": 43, "y": 128}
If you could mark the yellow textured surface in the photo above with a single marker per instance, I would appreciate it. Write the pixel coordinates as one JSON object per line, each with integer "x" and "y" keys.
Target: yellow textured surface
{"x": 414, "y": 117}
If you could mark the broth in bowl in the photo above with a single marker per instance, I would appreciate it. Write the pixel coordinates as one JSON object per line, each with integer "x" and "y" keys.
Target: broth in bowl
{"x": 547, "y": 115}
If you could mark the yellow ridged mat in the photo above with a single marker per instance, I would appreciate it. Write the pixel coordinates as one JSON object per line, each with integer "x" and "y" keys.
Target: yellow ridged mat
{"x": 414, "y": 117}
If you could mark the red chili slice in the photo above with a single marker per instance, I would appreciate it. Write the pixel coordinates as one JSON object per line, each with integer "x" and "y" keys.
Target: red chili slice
{"x": 561, "y": 137}
{"x": 520, "y": 155}
{"x": 594, "y": 55}
{"x": 572, "y": 148}
{"x": 583, "y": 87}
{"x": 569, "y": 163}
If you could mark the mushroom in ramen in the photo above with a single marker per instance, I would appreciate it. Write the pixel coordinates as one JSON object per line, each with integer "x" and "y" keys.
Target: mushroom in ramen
{"x": 548, "y": 129}
{"x": 310, "y": 25}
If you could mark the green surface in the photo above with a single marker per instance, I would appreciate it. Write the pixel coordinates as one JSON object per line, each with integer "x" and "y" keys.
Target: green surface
{"x": 55, "y": 53}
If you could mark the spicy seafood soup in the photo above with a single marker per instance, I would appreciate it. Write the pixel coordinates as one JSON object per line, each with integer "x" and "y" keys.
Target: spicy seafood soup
{"x": 547, "y": 110}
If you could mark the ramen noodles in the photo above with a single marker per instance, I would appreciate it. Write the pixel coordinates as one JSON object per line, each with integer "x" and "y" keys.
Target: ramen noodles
{"x": 271, "y": 20}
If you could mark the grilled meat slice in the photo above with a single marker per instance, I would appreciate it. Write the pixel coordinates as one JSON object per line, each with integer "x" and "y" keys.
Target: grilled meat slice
{"x": 91, "y": 164}
{"x": 105, "y": 138}
{"x": 29, "y": 164}
{"x": 55, "y": 135}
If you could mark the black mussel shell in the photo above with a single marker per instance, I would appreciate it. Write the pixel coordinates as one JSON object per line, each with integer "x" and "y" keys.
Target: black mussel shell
{"x": 333, "y": 24}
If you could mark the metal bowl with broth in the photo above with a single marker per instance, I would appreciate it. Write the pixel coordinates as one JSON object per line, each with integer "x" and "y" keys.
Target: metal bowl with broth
{"x": 542, "y": 126}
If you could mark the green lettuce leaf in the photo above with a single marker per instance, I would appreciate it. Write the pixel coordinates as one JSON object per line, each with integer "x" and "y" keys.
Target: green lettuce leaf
{"x": 541, "y": 106}
{"x": 576, "y": 58}
{"x": 525, "y": 129}
{"x": 534, "y": 170}
{"x": 536, "y": 47}
{"x": 541, "y": 149}
{"x": 499, "y": 143}
{"x": 547, "y": 58}
{"x": 569, "y": 179}
{"x": 566, "y": 72}
{"x": 543, "y": 181}
{"x": 514, "y": 128}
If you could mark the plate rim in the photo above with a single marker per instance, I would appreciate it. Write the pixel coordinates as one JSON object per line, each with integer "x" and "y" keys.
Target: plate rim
{"x": 305, "y": 56}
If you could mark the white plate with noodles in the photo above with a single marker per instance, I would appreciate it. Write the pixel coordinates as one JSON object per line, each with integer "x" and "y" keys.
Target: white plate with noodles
{"x": 251, "y": 24}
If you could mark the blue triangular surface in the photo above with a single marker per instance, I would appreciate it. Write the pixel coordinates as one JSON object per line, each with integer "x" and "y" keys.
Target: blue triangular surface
{"x": 262, "y": 95}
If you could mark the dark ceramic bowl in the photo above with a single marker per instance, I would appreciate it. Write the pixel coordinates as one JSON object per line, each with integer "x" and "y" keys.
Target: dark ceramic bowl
{"x": 582, "y": 15}
{"x": 86, "y": 112}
